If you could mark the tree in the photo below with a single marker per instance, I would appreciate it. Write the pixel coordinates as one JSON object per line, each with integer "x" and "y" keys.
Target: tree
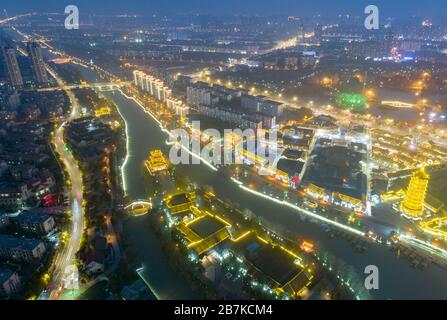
{"x": 248, "y": 215}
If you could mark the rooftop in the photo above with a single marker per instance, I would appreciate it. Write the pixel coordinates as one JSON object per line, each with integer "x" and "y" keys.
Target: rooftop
{"x": 273, "y": 261}
{"x": 206, "y": 226}
{"x": 291, "y": 167}
{"x": 12, "y": 242}
{"x": 179, "y": 199}
{"x": 204, "y": 232}
{"x": 337, "y": 169}
{"x": 29, "y": 217}
{"x": 293, "y": 154}
{"x": 5, "y": 275}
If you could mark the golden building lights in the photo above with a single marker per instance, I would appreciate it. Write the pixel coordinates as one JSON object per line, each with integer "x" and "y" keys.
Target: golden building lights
{"x": 413, "y": 204}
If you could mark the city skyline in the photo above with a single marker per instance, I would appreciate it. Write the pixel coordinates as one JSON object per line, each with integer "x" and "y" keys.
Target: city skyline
{"x": 306, "y": 8}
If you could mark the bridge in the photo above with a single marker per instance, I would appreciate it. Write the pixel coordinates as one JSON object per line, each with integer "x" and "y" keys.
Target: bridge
{"x": 398, "y": 104}
{"x": 98, "y": 85}
{"x": 139, "y": 207}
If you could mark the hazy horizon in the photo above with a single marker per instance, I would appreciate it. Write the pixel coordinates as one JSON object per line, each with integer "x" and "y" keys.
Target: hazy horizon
{"x": 431, "y": 8}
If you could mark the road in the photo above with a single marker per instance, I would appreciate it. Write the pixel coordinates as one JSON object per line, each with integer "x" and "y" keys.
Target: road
{"x": 67, "y": 257}
{"x": 3, "y": 21}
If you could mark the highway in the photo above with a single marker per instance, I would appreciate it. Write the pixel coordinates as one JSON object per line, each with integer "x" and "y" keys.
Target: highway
{"x": 3, "y": 21}
{"x": 67, "y": 257}
{"x": 61, "y": 269}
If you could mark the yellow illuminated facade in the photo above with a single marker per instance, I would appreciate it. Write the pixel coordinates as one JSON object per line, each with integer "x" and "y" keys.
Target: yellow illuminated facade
{"x": 392, "y": 195}
{"x": 316, "y": 192}
{"x": 413, "y": 204}
{"x": 156, "y": 162}
{"x": 104, "y": 111}
{"x": 177, "y": 208}
{"x": 199, "y": 243}
{"x": 349, "y": 202}
{"x": 436, "y": 226}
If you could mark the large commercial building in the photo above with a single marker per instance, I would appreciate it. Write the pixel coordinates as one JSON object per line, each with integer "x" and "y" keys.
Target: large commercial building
{"x": 210, "y": 238}
{"x": 273, "y": 265}
{"x": 12, "y": 67}
{"x": 335, "y": 174}
{"x": 37, "y": 63}
{"x": 413, "y": 204}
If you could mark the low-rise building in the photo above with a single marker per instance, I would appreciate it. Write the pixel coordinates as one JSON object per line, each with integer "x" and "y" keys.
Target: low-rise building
{"x": 339, "y": 172}
{"x": 97, "y": 255}
{"x": 21, "y": 249}
{"x": 272, "y": 265}
{"x": 35, "y": 223}
{"x": 136, "y": 291}
{"x": 289, "y": 171}
{"x": 4, "y": 220}
{"x": 10, "y": 197}
{"x": 204, "y": 232}
{"x": 179, "y": 203}
{"x": 9, "y": 283}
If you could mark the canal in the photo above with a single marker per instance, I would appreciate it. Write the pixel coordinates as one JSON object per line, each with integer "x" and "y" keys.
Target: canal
{"x": 398, "y": 280}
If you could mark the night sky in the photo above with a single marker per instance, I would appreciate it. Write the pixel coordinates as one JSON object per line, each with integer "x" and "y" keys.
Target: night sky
{"x": 392, "y": 8}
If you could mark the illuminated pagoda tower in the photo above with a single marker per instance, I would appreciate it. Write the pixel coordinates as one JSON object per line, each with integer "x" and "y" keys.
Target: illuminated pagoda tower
{"x": 156, "y": 162}
{"x": 413, "y": 204}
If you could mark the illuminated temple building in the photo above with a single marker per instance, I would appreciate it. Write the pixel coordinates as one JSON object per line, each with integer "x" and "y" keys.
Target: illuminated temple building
{"x": 156, "y": 163}
{"x": 210, "y": 238}
{"x": 413, "y": 204}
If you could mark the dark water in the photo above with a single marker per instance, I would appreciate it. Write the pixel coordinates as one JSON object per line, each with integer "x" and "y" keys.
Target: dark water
{"x": 162, "y": 278}
{"x": 398, "y": 280}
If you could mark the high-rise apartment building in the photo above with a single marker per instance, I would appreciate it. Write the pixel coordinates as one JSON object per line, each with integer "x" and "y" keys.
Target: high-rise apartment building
{"x": 37, "y": 63}
{"x": 12, "y": 66}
